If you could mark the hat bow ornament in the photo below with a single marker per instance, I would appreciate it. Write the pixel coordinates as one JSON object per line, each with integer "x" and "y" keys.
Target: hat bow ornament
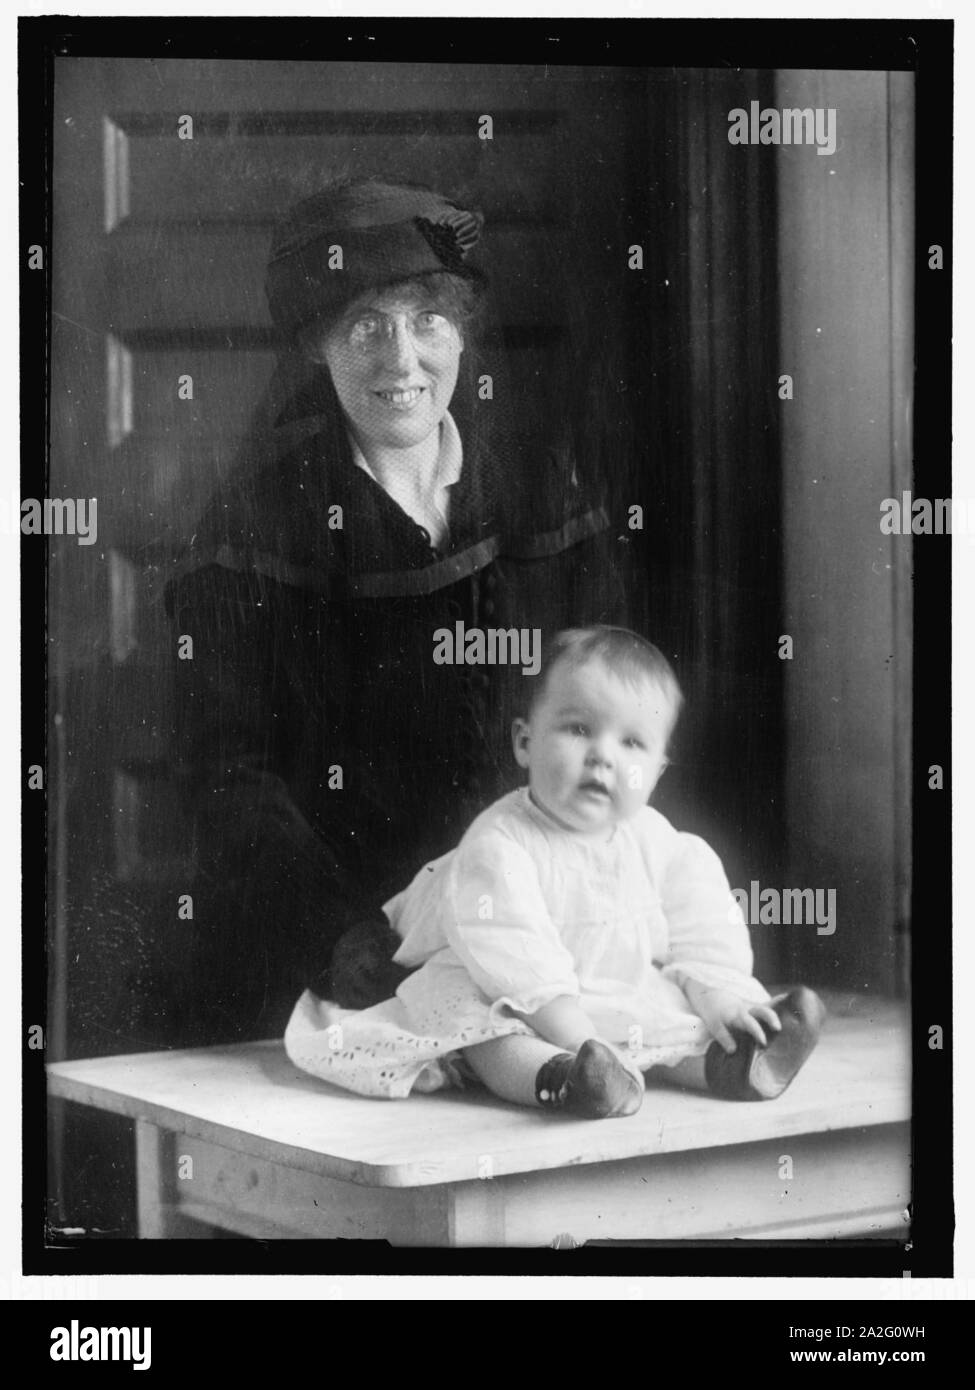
{"x": 452, "y": 236}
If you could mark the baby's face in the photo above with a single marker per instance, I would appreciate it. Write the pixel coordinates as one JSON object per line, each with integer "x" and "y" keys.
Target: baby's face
{"x": 594, "y": 746}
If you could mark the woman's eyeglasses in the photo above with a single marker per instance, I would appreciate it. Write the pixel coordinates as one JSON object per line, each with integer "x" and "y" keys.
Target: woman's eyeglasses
{"x": 425, "y": 327}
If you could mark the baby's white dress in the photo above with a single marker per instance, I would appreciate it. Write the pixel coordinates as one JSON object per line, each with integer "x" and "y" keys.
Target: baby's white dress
{"x": 521, "y": 912}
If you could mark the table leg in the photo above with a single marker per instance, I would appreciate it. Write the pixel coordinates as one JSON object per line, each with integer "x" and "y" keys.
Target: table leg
{"x": 476, "y": 1212}
{"x": 151, "y": 1144}
{"x": 156, "y": 1162}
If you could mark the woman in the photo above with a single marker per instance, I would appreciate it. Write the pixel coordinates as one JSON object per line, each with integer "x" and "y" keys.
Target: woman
{"x": 326, "y": 753}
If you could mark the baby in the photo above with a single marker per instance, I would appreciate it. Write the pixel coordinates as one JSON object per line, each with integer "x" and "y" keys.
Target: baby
{"x": 574, "y": 943}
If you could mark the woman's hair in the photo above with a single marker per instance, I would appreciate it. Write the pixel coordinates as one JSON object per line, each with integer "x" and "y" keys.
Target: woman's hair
{"x": 625, "y": 654}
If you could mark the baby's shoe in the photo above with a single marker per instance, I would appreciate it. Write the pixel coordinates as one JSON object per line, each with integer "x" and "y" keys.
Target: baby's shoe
{"x": 594, "y": 1083}
{"x": 754, "y": 1072}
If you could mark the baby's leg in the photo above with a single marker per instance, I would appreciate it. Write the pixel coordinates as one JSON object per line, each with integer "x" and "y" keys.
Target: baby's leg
{"x": 530, "y": 1071}
{"x": 688, "y": 1073}
{"x": 508, "y": 1066}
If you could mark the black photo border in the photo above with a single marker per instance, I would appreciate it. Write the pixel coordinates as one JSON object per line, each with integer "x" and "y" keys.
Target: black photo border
{"x": 924, "y": 47}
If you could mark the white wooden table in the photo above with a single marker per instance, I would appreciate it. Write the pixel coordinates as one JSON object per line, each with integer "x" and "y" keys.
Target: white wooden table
{"x": 236, "y": 1138}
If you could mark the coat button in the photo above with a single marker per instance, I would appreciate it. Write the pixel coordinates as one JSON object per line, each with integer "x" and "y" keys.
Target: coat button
{"x": 490, "y": 580}
{"x": 488, "y": 607}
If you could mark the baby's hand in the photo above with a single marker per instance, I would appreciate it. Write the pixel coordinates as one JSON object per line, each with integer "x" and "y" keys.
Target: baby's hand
{"x": 722, "y": 1011}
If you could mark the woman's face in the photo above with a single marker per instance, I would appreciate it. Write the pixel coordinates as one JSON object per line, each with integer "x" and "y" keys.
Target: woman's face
{"x": 393, "y": 359}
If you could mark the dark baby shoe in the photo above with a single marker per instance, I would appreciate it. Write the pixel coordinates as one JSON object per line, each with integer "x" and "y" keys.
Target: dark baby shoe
{"x": 754, "y": 1072}
{"x": 593, "y": 1084}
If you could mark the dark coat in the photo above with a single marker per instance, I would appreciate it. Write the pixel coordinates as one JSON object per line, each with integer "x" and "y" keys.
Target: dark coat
{"x": 324, "y": 753}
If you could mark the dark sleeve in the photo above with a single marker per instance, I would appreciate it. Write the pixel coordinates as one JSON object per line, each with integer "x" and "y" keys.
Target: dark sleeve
{"x": 286, "y": 892}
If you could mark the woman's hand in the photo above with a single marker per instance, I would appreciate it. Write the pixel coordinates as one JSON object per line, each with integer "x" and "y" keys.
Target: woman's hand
{"x": 723, "y": 1011}
{"x": 363, "y": 971}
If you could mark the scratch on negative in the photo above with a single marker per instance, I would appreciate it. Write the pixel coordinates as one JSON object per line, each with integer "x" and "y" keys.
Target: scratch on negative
{"x": 92, "y": 331}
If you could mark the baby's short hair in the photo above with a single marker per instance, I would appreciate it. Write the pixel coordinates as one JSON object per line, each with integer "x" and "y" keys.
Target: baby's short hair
{"x": 626, "y": 654}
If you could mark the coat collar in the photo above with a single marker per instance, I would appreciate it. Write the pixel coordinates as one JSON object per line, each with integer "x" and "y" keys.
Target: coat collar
{"x": 314, "y": 519}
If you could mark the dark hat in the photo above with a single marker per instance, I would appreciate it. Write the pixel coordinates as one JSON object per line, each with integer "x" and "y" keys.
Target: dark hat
{"x": 386, "y": 232}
